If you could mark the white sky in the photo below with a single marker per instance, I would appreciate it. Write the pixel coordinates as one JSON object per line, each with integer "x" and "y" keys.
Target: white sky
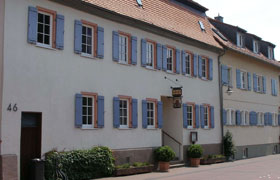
{"x": 259, "y": 17}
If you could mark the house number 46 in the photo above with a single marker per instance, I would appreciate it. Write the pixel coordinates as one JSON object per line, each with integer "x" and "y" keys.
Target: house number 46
{"x": 14, "y": 108}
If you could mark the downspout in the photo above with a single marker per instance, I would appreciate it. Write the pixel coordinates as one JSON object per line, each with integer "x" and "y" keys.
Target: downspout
{"x": 221, "y": 98}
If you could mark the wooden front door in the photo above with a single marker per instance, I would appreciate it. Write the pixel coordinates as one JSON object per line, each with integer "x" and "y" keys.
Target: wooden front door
{"x": 30, "y": 144}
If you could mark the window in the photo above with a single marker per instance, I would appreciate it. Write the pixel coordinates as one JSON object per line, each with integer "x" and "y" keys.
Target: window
{"x": 88, "y": 111}
{"x": 259, "y": 84}
{"x": 190, "y": 116}
{"x": 255, "y": 46}
{"x": 270, "y": 53}
{"x": 274, "y": 119}
{"x": 206, "y": 116}
{"x": 240, "y": 40}
{"x": 123, "y": 49}
{"x": 245, "y": 153}
{"x": 124, "y": 113}
{"x": 231, "y": 117}
{"x": 188, "y": 64}
{"x": 229, "y": 75}
{"x": 247, "y": 115}
{"x": 151, "y": 114}
{"x": 243, "y": 79}
{"x": 170, "y": 59}
{"x": 260, "y": 118}
{"x": 87, "y": 40}
{"x": 44, "y": 34}
{"x": 150, "y": 54}
{"x": 204, "y": 67}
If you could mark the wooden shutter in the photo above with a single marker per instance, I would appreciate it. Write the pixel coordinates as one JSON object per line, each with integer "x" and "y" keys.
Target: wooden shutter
{"x": 224, "y": 72}
{"x": 264, "y": 84}
{"x": 100, "y": 42}
{"x": 195, "y": 62}
{"x": 249, "y": 80}
{"x": 185, "y": 123}
{"x": 212, "y": 117}
{"x": 238, "y": 78}
{"x": 197, "y": 116}
{"x": 100, "y": 111}
{"x": 210, "y": 69}
{"x": 202, "y": 116}
{"x": 238, "y": 117}
{"x": 134, "y": 113}
{"x": 184, "y": 62}
{"x": 78, "y": 37}
{"x": 78, "y": 110}
{"x": 59, "y": 40}
{"x": 144, "y": 114}
{"x": 199, "y": 66}
{"x": 116, "y": 112}
{"x": 178, "y": 61}
{"x": 164, "y": 58}
{"x": 115, "y": 46}
{"x": 160, "y": 114}
{"x": 255, "y": 82}
{"x": 143, "y": 52}
{"x": 32, "y": 25}
{"x": 159, "y": 56}
{"x": 224, "y": 117}
{"x": 133, "y": 50}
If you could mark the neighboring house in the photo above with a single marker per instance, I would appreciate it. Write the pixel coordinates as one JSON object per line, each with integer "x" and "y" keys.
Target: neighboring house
{"x": 251, "y": 111}
{"x": 77, "y": 74}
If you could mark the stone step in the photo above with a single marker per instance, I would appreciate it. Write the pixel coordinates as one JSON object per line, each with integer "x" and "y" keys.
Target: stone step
{"x": 177, "y": 164}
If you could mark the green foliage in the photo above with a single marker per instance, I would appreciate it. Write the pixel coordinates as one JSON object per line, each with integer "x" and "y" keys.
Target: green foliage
{"x": 215, "y": 156}
{"x": 195, "y": 151}
{"x": 140, "y": 164}
{"x": 123, "y": 166}
{"x": 80, "y": 164}
{"x": 164, "y": 153}
{"x": 229, "y": 148}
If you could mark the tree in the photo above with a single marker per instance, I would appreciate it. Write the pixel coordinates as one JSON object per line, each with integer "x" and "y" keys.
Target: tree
{"x": 229, "y": 147}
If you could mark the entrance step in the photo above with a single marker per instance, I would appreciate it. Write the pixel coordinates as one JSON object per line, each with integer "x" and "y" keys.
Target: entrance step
{"x": 177, "y": 164}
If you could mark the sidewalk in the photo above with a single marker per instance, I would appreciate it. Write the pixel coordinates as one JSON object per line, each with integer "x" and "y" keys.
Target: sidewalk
{"x": 267, "y": 167}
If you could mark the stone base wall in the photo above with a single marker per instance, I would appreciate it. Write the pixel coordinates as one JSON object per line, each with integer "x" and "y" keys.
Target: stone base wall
{"x": 8, "y": 167}
{"x": 257, "y": 150}
{"x": 207, "y": 149}
{"x": 123, "y": 156}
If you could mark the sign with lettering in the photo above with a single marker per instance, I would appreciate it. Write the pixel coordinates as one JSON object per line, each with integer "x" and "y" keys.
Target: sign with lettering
{"x": 177, "y": 92}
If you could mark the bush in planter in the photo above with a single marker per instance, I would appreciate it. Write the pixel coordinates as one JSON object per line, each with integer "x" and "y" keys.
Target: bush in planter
{"x": 195, "y": 151}
{"x": 80, "y": 164}
{"x": 164, "y": 154}
{"x": 229, "y": 148}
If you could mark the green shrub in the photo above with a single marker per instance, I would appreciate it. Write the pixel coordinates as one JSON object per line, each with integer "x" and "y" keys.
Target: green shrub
{"x": 123, "y": 166}
{"x": 195, "y": 151}
{"x": 80, "y": 164}
{"x": 164, "y": 153}
{"x": 140, "y": 164}
{"x": 229, "y": 148}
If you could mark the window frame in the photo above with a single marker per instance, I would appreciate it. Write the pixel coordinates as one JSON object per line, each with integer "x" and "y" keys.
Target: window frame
{"x": 259, "y": 83}
{"x": 255, "y": 46}
{"x": 192, "y": 124}
{"x": 274, "y": 119}
{"x": 153, "y": 115}
{"x": 128, "y": 99}
{"x": 127, "y": 113}
{"x": 170, "y": 51}
{"x": 94, "y": 38}
{"x": 154, "y": 101}
{"x": 52, "y": 15}
{"x": 243, "y": 83}
{"x": 92, "y": 41}
{"x": 126, "y": 47}
{"x": 260, "y": 118}
{"x": 270, "y": 53}
{"x": 204, "y": 59}
{"x": 229, "y": 73}
{"x": 94, "y": 110}
{"x": 240, "y": 40}
{"x": 189, "y": 55}
{"x": 154, "y": 56}
{"x": 231, "y": 116}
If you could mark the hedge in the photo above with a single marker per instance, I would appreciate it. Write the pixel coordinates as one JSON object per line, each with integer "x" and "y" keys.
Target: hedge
{"x": 79, "y": 164}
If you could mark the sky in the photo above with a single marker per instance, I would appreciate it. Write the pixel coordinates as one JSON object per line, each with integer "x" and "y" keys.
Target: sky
{"x": 259, "y": 17}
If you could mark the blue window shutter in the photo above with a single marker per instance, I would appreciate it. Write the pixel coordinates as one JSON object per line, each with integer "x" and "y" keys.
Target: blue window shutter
{"x": 59, "y": 40}
{"x": 238, "y": 118}
{"x": 265, "y": 119}
{"x": 270, "y": 119}
{"x": 201, "y": 116}
{"x": 272, "y": 87}
{"x": 134, "y": 113}
{"x": 278, "y": 119}
{"x": 32, "y": 25}
{"x": 199, "y": 66}
{"x": 276, "y": 87}
{"x": 197, "y": 116}
{"x": 115, "y": 46}
{"x": 210, "y": 69}
{"x": 195, "y": 62}
{"x": 164, "y": 58}
{"x": 143, "y": 52}
{"x": 116, "y": 112}
{"x": 255, "y": 82}
{"x": 224, "y": 116}
{"x": 264, "y": 84}
{"x": 100, "y": 42}
{"x": 178, "y": 61}
{"x": 144, "y": 114}
{"x": 133, "y": 50}
{"x": 100, "y": 111}
{"x": 78, "y": 110}
{"x": 251, "y": 118}
{"x": 224, "y": 74}
{"x": 183, "y": 62}
{"x": 212, "y": 117}
{"x": 78, "y": 37}
{"x": 160, "y": 114}
{"x": 249, "y": 80}
{"x": 238, "y": 78}
{"x": 185, "y": 123}
{"x": 159, "y": 56}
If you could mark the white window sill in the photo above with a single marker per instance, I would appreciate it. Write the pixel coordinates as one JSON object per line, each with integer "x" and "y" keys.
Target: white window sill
{"x": 87, "y": 55}
{"x": 150, "y": 68}
{"x": 204, "y": 78}
{"x": 44, "y": 46}
{"x": 151, "y": 128}
{"x": 206, "y": 128}
{"x": 88, "y": 128}
{"x": 124, "y": 128}
{"x": 188, "y": 75}
{"x": 124, "y": 63}
{"x": 190, "y": 128}
{"x": 169, "y": 72}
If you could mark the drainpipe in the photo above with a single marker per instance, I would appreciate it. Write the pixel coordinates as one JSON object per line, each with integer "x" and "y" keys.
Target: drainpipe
{"x": 221, "y": 98}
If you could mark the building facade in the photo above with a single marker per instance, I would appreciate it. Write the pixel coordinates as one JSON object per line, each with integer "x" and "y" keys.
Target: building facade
{"x": 251, "y": 111}
{"x": 78, "y": 74}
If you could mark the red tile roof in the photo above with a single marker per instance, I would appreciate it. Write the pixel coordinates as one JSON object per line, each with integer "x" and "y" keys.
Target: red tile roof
{"x": 164, "y": 14}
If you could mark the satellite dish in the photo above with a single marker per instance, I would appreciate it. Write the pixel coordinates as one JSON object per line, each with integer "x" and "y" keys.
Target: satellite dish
{"x": 139, "y": 2}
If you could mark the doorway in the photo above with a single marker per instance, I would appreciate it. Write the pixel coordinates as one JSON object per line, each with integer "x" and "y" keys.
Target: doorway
{"x": 30, "y": 143}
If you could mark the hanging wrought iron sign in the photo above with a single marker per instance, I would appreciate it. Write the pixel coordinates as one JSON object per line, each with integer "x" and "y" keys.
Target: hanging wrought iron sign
{"x": 177, "y": 92}
{"x": 177, "y": 97}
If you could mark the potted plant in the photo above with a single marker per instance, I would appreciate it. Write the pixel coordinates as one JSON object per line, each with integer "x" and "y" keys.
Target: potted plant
{"x": 164, "y": 155}
{"x": 195, "y": 152}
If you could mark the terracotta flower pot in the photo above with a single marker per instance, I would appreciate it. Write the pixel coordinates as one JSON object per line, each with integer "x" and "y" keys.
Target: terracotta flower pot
{"x": 163, "y": 166}
{"x": 195, "y": 162}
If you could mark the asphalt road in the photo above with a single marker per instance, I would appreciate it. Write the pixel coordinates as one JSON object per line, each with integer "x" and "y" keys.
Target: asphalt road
{"x": 262, "y": 168}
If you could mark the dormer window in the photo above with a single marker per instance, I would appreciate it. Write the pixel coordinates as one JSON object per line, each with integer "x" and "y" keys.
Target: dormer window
{"x": 240, "y": 40}
{"x": 255, "y": 46}
{"x": 270, "y": 53}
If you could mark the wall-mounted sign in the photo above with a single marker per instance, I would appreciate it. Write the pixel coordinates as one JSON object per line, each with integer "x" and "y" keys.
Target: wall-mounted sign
{"x": 177, "y": 92}
{"x": 177, "y": 102}
{"x": 177, "y": 97}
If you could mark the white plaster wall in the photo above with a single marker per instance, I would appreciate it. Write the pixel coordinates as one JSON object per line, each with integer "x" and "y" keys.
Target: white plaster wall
{"x": 43, "y": 80}
{"x": 251, "y": 101}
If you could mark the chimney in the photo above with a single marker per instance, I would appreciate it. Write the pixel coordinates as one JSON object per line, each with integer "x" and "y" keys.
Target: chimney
{"x": 219, "y": 18}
